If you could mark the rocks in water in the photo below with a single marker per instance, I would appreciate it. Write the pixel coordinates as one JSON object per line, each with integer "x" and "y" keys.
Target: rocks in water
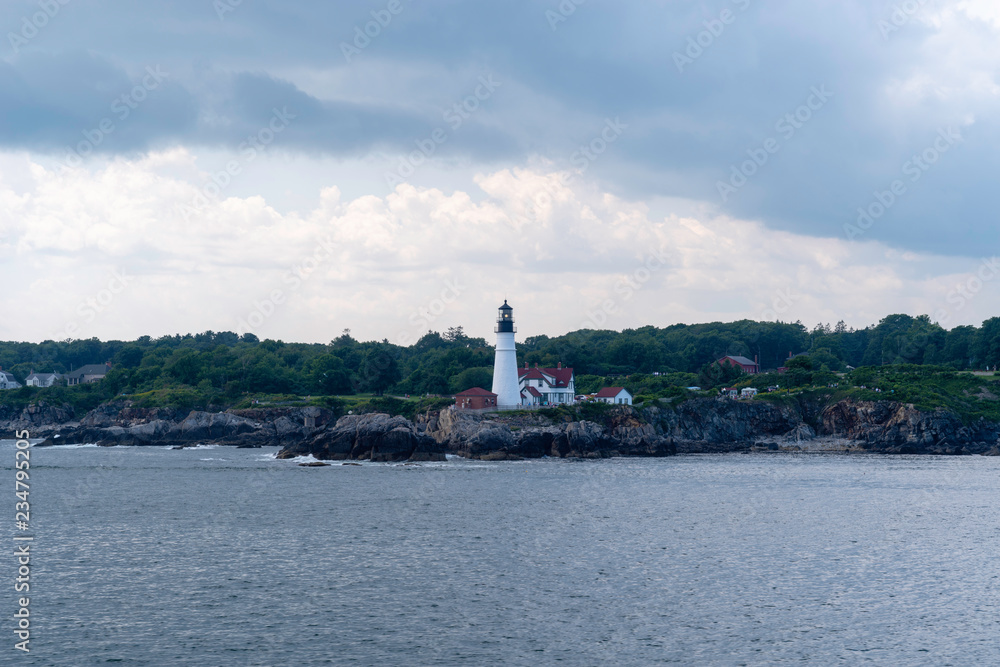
{"x": 313, "y": 464}
{"x": 375, "y": 437}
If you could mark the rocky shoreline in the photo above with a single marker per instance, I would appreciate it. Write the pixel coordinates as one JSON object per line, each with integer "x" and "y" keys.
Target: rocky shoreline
{"x": 701, "y": 425}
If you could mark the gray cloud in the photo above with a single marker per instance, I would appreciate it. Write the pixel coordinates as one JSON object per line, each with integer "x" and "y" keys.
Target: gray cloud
{"x": 562, "y": 78}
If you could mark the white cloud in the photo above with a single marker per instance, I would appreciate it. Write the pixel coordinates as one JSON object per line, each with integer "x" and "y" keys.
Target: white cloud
{"x": 388, "y": 267}
{"x": 984, "y": 10}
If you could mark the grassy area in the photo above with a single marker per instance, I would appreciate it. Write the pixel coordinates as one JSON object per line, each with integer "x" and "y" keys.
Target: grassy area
{"x": 84, "y": 398}
{"x": 927, "y": 388}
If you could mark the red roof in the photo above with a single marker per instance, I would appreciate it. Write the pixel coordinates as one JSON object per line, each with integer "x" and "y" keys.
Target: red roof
{"x": 476, "y": 391}
{"x": 609, "y": 392}
{"x": 562, "y": 375}
{"x": 534, "y": 392}
{"x": 738, "y": 360}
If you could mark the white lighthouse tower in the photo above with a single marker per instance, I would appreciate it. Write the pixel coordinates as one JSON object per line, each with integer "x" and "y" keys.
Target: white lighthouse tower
{"x": 505, "y": 383}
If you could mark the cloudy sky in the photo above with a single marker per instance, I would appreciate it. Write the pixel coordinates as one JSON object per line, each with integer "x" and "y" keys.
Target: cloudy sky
{"x": 297, "y": 167}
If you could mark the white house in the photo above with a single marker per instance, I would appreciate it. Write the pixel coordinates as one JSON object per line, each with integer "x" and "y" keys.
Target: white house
{"x": 546, "y": 386}
{"x": 616, "y": 395}
{"x": 7, "y": 381}
{"x": 42, "y": 379}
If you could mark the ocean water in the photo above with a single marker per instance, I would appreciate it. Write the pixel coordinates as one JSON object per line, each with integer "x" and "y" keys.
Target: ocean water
{"x": 219, "y": 556}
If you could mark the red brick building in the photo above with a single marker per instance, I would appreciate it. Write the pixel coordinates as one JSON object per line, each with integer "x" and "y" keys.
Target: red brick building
{"x": 748, "y": 366}
{"x": 475, "y": 399}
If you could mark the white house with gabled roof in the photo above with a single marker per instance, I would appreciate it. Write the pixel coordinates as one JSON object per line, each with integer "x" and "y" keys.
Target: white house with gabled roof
{"x": 546, "y": 386}
{"x": 8, "y": 381}
{"x": 42, "y": 379}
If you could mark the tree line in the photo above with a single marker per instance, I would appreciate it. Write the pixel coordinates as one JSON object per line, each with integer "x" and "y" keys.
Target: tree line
{"x": 226, "y": 366}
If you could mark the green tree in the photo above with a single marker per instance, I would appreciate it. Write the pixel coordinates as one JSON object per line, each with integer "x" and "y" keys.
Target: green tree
{"x": 480, "y": 376}
{"x": 378, "y": 370}
{"x": 802, "y": 362}
{"x": 329, "y": 376}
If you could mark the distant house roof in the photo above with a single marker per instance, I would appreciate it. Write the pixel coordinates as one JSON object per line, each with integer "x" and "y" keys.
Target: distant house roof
{"x": 43, "y": 376}
{"x": 89, "y": 369}
{"x": 742, "y": 361}
{"x": 560, "y": 376}
{"x": 476, "y": 391}
{"x": 534, "y": 392}
{"x": 609, "y": 392}
{"x": 4, "y": 375}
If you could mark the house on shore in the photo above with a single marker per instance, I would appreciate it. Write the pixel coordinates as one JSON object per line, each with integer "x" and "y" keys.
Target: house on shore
{"x": 87, "y": 374}
{"x": 476, "y": 398}
{"x": 8, "y": 381}
{"x": 42, "y": 379}
{"x": 546, "y": 386}
{"x": 747, "y": 366}
{"x": 615, "y": 395}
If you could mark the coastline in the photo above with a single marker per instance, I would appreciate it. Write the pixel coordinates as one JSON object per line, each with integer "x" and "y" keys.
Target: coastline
{"x": 694, "y": 426}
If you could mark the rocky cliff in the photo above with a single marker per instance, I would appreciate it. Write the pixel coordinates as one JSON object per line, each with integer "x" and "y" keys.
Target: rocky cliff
{"x": 122, "y": 424}
{"x": 694, "y": 426}
{"x": 501, "y": 436}
{"x": 375, "y": 437}
{"x": 721, "y": 424}
{"x": 39, "y": 419}
{"x": 895, "y": 428}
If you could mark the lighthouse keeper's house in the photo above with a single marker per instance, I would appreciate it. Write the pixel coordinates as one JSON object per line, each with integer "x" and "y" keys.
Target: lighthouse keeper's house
{"x": 546, "y": 386}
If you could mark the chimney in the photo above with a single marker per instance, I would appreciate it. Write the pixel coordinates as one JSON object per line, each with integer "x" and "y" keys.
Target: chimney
{"x": 526, "y": 365}
{"x": 536, "y": 364}
{"x": 559, "y": 365}
{"x": 789, "y": 354}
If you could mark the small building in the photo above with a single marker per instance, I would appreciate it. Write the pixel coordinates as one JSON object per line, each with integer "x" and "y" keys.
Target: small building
{"x": 476, "y": 398}
{"x": 748, "y": 392}
{"x": 730, "y": 392}
{"x": 87, "y": 374}
{"x": 615, "y": 395}
{"x": 8, "y": 381}
{"x": 746, "y": 365}
{"x": 531, "y": 396}
{"x": 42, "y": 379}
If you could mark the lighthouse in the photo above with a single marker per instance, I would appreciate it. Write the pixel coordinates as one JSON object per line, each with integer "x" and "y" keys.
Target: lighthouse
{"x": 505, "y": 383}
